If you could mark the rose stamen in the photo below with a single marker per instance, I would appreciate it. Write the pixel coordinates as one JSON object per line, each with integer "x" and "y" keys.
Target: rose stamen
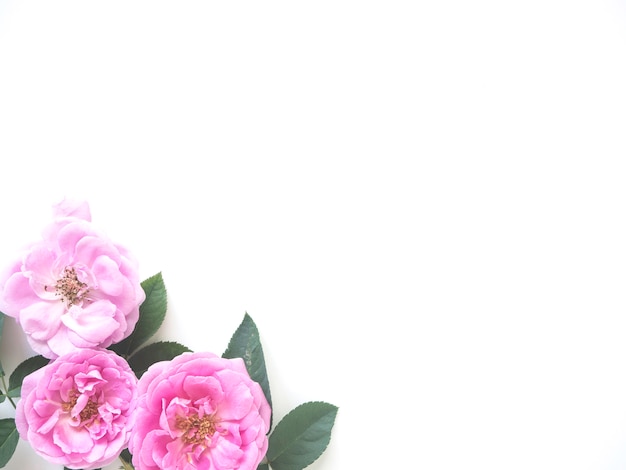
{"x": 196, "y": 429}
{"x": 68, "y": 405}
{"x": 70, "y": 288}
{"x": 90, "y": 409}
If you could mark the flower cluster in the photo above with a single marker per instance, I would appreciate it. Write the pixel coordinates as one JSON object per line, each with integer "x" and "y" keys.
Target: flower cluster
{"x": 95, "y": 392}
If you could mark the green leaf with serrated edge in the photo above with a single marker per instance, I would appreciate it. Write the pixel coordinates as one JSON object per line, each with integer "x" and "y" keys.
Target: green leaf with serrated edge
{"x": 301, "y": 436}
{"x": 246, "y": 344}
{"x": 151, "y": 315}
{"x": 25, "y": 368}
{"x": 155, "y": 352}
{"x": 8, "y": 440}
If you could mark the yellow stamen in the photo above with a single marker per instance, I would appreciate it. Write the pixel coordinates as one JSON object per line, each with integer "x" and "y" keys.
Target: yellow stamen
{"x": 196, "y": 429}
{"x": 90, "y": 409}
{"x": 70, "y": 288}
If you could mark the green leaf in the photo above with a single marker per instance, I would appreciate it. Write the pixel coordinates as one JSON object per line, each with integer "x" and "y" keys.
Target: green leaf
{"x": 263, "y": 466}
{"x": 25, "y": 368}
{"x": 151, "y": 315}
{"x": 155, "y": 352}
{"x": 126, "y": 458}
{"x": 301, "y": 436}
{"x": 245, "y": 343}
{"x": 8, "y": 440}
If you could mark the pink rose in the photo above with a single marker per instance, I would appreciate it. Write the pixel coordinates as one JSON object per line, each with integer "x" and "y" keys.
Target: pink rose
{"x": 73, "y": 289}
{"x": 199, "y": 411}
{"x": 78, "y": 410}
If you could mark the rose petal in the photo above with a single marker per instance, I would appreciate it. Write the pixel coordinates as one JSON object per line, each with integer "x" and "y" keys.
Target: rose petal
{"x": 91, "y": 324}
{"x": 110, "y": 280}
{"x": 41, "y": 320}
{"x": 71, "y": 438}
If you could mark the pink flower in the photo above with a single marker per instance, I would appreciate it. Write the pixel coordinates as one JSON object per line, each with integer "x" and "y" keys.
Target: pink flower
{"x": 199, "y": 411}
{"x": 73, "y": 289}
{"x": 78, "y": 410}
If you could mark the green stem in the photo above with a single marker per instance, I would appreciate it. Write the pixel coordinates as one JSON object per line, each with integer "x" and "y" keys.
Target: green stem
{"x": 4, "y": 386}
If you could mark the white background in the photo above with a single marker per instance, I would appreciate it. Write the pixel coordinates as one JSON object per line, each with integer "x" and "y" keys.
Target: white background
{"x": 422, "y": 205}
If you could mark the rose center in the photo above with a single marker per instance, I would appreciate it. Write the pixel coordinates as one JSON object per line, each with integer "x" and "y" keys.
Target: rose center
{"x": 70, "y": 288}
{"x": 90, "y": 409}
{"x": 195, "y": 429}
